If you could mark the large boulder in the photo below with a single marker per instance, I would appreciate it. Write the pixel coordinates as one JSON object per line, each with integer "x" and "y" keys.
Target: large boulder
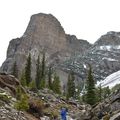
{"x": 10, "y": 83}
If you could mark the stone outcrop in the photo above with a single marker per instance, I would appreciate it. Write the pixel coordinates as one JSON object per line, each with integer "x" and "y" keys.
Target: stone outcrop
{"x": 10, "y": 82}
{"x": 44, "y": 33}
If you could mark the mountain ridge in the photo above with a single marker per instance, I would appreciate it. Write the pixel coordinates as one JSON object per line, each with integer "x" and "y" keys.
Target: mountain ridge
{"x": 64, "y": 51}
{"x": 43, "y": 33}
{"x": 103, "y": 56}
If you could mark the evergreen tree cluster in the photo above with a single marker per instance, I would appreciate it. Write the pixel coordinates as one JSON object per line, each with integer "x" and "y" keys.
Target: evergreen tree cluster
{"x": 91, "y": 95}
{"x": 40, "y": 76}
{"x": 53, "y": 81}
{"x": 39, "y": 81}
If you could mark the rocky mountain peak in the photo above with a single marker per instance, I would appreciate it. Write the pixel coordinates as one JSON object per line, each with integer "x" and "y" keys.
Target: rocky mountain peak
{"x": 104, "y": 57}
{"x": 110, "y": 38}
{"x": 44, "y": 33}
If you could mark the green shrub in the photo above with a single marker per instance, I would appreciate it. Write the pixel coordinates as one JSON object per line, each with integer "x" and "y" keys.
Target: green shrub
{"x": 22, "y": 104}
{"x": 32, "y": 85}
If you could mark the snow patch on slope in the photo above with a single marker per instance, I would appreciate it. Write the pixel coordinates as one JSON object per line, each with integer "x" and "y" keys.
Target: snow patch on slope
{"x": 84, "y": 66}
{"x": 109, "y": 47}
{"x": 111, "y": 80}
{"x": 109, "y": 59}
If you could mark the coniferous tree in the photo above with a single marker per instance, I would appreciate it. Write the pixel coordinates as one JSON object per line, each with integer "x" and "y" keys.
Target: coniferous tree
{"x": 22, "y": 101}
{"x": 42, "y": 82}
{"x": 99, "y": 93}
{"x": 50, "y": 78}
{"x": 38, "y": 73}
{"x": 28, "y": 70}
{"x": 22, "y": 104}
{"x": 90, "y": 88}
{"x": 15, "y": 69}
{"x": 106, "y": 92}
{"x": 56, "y": 84}
{"x": 43, "y": 66}
{"x": 70, "y": 85}
{"x": 32, "y": 85}
{"x": 18, "y": 93}
{"x": 22, "y": 79}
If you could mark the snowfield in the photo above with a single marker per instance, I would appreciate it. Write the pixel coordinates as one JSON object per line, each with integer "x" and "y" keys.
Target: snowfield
{"x": 111, "y": 80}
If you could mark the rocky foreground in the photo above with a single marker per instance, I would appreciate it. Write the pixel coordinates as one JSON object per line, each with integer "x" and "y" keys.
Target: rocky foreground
{"x": 45, "y": 105}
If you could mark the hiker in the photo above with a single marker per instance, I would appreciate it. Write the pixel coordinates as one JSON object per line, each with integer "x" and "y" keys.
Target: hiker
{"x": 63, "y": 113}
{"x": 106, "y": 116}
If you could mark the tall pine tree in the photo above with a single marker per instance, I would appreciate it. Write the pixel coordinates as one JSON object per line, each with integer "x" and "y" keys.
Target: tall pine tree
{"x": 90, "y": 88}
{"x": 15, "y": 70}
{"x": 43, "y": 66}
{"x": 56, "y": 84}
{"x": 99, "y": 93}
{"x": 70, "y": 85}
{"x": 22, "y": 79}
{"x": 38, "y": 73}
{"x": 42, "y": 82}
{"x": 50, "y": 77}
{"x": 28, "y": 70}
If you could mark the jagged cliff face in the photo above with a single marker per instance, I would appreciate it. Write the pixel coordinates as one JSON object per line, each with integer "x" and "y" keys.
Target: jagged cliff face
{"x": 44, "y": 33}
{"x": 104, "y": 57}
{"x": 66, "y": 52}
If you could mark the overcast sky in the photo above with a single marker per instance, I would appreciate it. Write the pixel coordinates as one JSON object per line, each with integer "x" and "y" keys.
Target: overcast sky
{"x": 87, "y": 19}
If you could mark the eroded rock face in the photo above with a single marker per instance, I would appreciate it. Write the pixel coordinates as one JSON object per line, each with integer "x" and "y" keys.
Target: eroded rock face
{"x": 44, "y": 33}
{"x": 104, "y": 57}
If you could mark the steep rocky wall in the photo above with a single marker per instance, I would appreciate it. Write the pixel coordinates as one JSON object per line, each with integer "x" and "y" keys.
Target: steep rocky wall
{"x": 44, "y": 33}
